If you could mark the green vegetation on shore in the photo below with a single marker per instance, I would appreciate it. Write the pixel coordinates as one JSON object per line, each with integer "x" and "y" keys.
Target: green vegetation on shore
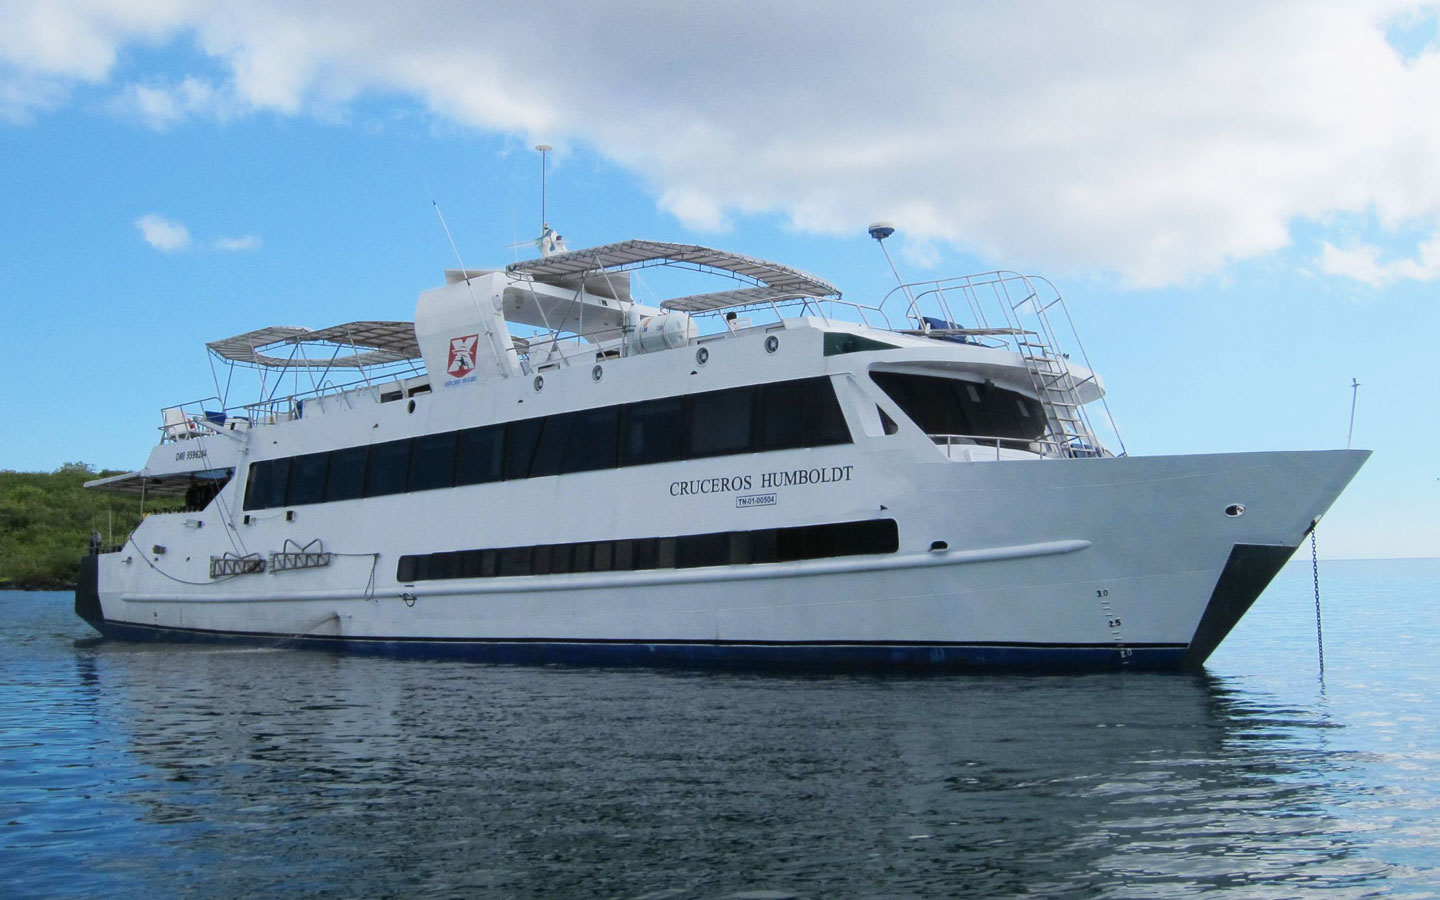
{"x": 46, "y": 519}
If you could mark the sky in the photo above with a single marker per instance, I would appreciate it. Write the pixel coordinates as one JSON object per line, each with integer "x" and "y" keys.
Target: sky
{"x": 1240, "y": 201}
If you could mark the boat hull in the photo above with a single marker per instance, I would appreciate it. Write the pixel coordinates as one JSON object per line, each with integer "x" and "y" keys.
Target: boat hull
{"x": 1075, "y": 565}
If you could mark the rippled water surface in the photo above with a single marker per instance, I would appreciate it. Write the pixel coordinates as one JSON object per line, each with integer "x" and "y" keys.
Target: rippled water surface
{"x": 129, "y": 771}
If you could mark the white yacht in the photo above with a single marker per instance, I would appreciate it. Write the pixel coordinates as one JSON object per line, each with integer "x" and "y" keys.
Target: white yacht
{"x": 540, "y": 468}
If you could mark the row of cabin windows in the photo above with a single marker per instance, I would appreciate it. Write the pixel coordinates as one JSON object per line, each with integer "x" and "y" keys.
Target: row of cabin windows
{"x": 778, "y": 416}
{"x": 633, "y": 554}
{"x": 951, "y": 406}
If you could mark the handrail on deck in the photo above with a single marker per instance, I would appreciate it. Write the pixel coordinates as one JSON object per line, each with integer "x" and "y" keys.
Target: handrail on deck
{"x": 181, "y": 421}
{"x": 1047, "y": 447}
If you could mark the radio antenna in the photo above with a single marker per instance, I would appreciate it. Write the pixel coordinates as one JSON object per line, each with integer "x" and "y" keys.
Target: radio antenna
{"x": 549, "y": 242}
{"x": 544, "y": 151}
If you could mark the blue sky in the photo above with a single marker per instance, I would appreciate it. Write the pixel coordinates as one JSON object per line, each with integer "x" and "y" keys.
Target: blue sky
{"x": 1241, "y": 203}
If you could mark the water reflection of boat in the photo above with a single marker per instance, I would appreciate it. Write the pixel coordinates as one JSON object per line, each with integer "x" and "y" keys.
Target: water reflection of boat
{"x": 889, "y": 489}
{"x": 476, "y": 779}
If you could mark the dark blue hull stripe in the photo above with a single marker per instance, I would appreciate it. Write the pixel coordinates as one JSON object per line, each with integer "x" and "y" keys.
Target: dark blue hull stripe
{"x": 915, "y": 655}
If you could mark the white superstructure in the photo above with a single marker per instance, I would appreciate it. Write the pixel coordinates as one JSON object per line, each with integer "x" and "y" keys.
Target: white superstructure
{"x": 542, "y": 468}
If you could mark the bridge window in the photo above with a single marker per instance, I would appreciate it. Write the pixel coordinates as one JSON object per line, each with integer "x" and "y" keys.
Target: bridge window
{"x": 950, "y": 406}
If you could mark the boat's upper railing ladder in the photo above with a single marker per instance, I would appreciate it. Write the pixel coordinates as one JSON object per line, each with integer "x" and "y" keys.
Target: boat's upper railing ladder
{"x": 1022, "y": 312}
{"x": 1055, "y": 384}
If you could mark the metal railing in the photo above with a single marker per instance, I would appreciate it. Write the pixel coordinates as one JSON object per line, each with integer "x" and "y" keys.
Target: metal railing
{"x": 1044, "y": 447}
{"x": 182, "y": 421}
{"x": 1027, "y": 315}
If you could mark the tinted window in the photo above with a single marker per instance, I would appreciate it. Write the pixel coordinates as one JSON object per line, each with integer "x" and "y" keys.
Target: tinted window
{"x": 948, "y": 406}
{"x": 540, "y": 560}
{"x": 720, "y": 422}
{"x": 691, "y": 550}
{"x": 470, "y": 565}
{"x": 837, "y": 342}
{"x": 624, "y": 555}
{"x": 764, "y": 547}
{"x": 255, "y": 485}
{"x": 792, "y": 544}
{"x": 782, "y": 414}
{"x": 432, "y": 462}
{"x": 561, "y": 558}
{"x": 515, "y": 561}
{"x": 645, "y": 552}
{"x": 521, "y": 438}
{"x": 702, "y": 550}
{"x": 875, "y": 536}
{"x": 991, "y": 410}
{"x": 652, "y": 431}
{"x": 551, "y": 446}
{"x": 819, "y": 541}
{"x": 387, "y": 468}
{"x": 824, "y": 422}
{"x": 346, "y": 480}
{"x": 776, "y": 416}
{"x": 478, "y": 453}
{"x": 446, "y": 565}
{"x": 738, "y": 550}
{"x": 591, "y": 443}
{"x": 307, "y": 478}
{"x": 276, "y": 481}
{"x": 929, "y": 402}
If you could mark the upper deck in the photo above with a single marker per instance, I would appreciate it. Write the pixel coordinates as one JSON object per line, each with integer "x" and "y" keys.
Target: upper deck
{"x": 576, "y": 309}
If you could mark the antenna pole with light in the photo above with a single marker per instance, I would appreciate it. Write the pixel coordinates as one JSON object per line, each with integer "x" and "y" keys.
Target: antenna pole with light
{"x": 880, "y": 231}
{"x": 544, "y": 150}
{"x": 549, "y": 242}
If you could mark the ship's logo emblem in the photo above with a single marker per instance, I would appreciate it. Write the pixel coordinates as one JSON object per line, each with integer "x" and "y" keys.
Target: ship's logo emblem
{"x": 462, "y": 355}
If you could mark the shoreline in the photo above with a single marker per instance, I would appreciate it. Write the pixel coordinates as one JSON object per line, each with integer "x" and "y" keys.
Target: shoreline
{"x": 37, "y": 584}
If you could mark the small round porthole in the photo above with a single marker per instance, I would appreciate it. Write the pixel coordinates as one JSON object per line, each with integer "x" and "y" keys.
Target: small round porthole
{"x": 772, "y": 343}
{"x": 410, "y": 407}
{"x": 539, "y": 382}
{"x": 1235, "y": 510}
{"x": 702, "y": 356}
{"x": 597, "y": 373}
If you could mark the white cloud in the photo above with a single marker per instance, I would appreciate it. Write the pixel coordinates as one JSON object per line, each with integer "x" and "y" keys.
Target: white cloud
{"x": 235, "y": 244}
{"x": 1362, "y": 263}
{"x": 48, "y": 45}
{"x": 1157, "y": 141}
{"x": 169, "y": 236}
{"x": 163, "y": 234}
{"x": 160, "y": 106}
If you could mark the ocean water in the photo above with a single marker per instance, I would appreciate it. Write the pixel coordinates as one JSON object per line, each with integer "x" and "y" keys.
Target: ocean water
{"x": 142, "y": 771}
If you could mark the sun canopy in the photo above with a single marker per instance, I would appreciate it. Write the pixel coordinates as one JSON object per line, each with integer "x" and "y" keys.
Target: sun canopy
{"x": 729, "y": 299}
{"x": 352, "y": 345}
{"x": 141, "y": 484}
{"x": 771, "y": 281}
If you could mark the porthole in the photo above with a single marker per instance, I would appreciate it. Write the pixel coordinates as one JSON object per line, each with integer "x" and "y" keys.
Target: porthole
{"x": 772, "y": 343}
{"x": 702, "y": 356}
{"x": 597, "y": 373}
{"x": 1235, "y": 510}
{"x": 539, "y": 382}
{"x": 410, "y": 407}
